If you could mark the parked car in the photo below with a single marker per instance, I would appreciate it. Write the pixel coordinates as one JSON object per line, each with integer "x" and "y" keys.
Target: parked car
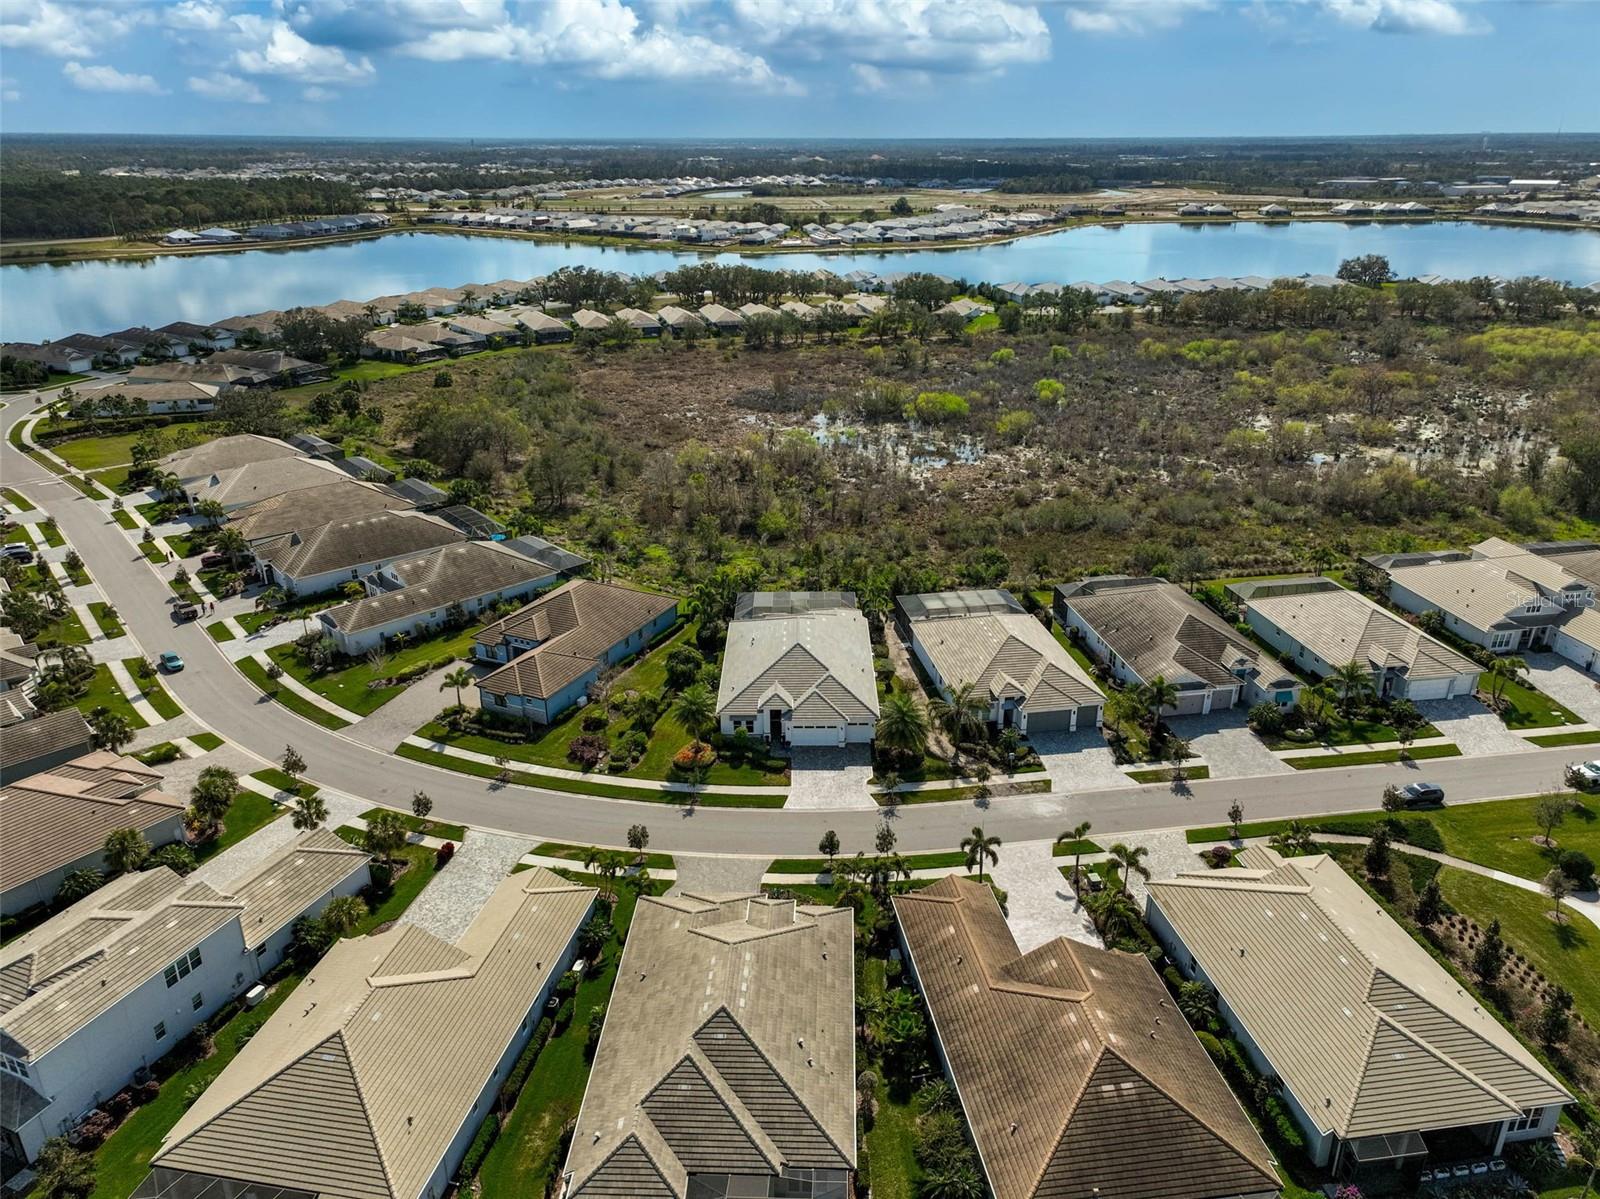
{"x": 17, "y": 553}
{"x": 1420, "y": 795}
{"x": 212, "y": 561}
{"x": 1588, "y": 773}
{"x": 183, "y": 613}
{"x": 171, "y": 662}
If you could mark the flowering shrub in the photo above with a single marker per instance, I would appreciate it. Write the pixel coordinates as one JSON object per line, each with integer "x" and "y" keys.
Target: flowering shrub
{"x": 587, "y": 750}
{"x": 697, "y": 755}
{"x": 443, "y": 854}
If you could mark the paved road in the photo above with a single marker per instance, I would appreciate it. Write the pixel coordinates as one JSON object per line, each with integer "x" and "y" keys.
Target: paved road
{"x": 226, "y": 701}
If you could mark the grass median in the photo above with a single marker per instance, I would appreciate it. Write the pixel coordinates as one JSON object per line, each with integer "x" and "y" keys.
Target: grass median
{"x": 257, "y": 674}
{"x": 1372, "y": 757}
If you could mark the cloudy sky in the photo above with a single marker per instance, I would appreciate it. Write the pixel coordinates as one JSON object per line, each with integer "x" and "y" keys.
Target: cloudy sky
{"x": 793, "y": 68}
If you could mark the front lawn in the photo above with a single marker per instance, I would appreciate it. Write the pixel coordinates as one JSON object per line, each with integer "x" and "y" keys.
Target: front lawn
{"x": 257, "y": 674}
{"x": 97, "y": 453}
{"x": 1523, "y": 707}
{"x": 103, "y": 614}
{"x": 952, "y": 859}
{"x": 350, "y": 686}
{"x": 1350, "y": 731}
{"x": 1164, "y": 774}
{"x": 577, "y": 853}
{"x": 207, "y": 741}
{"x": 103, "y": 692}
{"x": 247, "y": 813}
{"x": 428, "y": 828}
{"x": 279, "y": 780}
{"x": 1372, "y": 757}
{"x": 220, "y": 631}
{"x": 153, "y": 692}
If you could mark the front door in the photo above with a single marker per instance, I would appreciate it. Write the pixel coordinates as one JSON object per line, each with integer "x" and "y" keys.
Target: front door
{"x": 775, "y": 725}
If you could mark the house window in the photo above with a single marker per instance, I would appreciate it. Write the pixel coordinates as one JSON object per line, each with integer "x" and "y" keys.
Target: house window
{"x": 13, "y": 1065}
{"x": 182, "y": 967}
{"x": 1531, "y": 1118}
{"x": 1500, "y": 641}
{"x": 161, "y": 1030}
{"x": 197, "y": 1000}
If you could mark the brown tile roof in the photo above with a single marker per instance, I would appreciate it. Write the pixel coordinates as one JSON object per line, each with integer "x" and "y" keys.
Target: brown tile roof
{"x": 437, "y": 579}
{"x": 1072, "y": 1064}
{"x": 575, "y": 625}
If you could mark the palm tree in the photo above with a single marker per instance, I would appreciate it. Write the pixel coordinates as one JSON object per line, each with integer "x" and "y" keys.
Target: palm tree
{"x": 385, "y": 834}
{"x": 980, "y": 849}
{"x": 212, "y": 796}
{"x": 1074, "y": 837}
{"x": 231, "y": 544}
{"x": 696, "y": 709}
{"x": 1295, "y": 838}
{"x": 1129, "y": 860}
{"x": 1503, "y": 671}
{"x": 1352, "y": 683}
{"x": 125, "y": 850}
{"x": 962, "y": 715}
{"x": 343, "y": 914}
{"x": 1154, "y": 697}
{"x": 903, "y": 725}
{"x": 169, "y": 485}
{"x": 270, "y": 598}
{"x": 458, "y": 678}
{"x": 309, "y": 812}
{"x": 211, "y": 511}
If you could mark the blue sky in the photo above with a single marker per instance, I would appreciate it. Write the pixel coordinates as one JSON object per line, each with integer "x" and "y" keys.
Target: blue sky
{"x": 797, "y": 68}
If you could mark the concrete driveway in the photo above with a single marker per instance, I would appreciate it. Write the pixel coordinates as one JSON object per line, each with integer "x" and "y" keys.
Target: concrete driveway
{"x": 1563, "y": 681}
{"x": 1471, "y": 726}
{"x": 830, "y": 778}
{"x": 1225, "y": 743}
{"x": 1040, "y": 906}
{"x": 1080, "y": 761}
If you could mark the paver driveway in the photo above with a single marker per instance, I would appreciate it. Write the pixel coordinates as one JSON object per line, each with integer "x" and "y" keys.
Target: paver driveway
{"x": 1040, "y": 906}
{"x": 1471, "y": 726}
{"x": 1225, "y": 743}
{"x": 826, "y": 778}
{"x": 1080, "y": 761}
{"x": 1563, "y": 681}
{"x": 450, "y": 901}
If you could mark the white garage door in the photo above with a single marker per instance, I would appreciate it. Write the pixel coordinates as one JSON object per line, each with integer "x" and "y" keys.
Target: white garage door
{"x": 1421, "y": 689}
{"x": 827, "y": 734}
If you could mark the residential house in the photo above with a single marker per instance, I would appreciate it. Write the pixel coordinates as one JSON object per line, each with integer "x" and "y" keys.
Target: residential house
{"x": 1026, "y": 677}
{"x": 420, "y": 493}
{"x": 150, "y": 399}
{"x": 723, "y": 320}
{"x": 798, "y": 670}
{"x": 541, "y": 326}
{"x": 1275, "y": 211}
{"x": 257, "y": 326}
{"x": 255, "y": 481}
{"x": 56, "y": 821}
{"x": 645, "y": 324}
{"x": 204, "y": 337}
{"x": 400, "y": 344}
{"x": 1142, "y": 628}
{"x": 1319, "y": 626}
{"x": 63, "y": 359}
{"x": 101, "y": 350}
{"x": 101, "y": 991}
{"x": 43, "y": 742}
{"x": 224, "y": 454}
{"x": 966, "y": 309}
{"x": 19, "y": 677}
{"x": 419, "y": 595}
{"x": 310, "y": 560}
{"x": 679, "y": 320}
{"x": 309, "y": 507}
{"x": 727, "y": 1065}
{"x": 562, "y": 642}
{"x": 1379, "y": 1053}
{"x": 283, "y": 370}
{"x": 224, "y": 376}
{"x": 150, "y": 343}
{"x": 364, "y": 469}
{"x": 1077, "y": 1074}
{"x": 373, "y": 1081}
{"x": 492, "y": 333}
{"x": 591, "y": 321}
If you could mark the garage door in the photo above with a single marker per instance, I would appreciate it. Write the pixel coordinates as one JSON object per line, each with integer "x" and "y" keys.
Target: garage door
{"x": 1050, "y": 722}
{"x": 1422, "y": 689}
{"x": 829, "y": 734}
{"x": 1190, "y": 703}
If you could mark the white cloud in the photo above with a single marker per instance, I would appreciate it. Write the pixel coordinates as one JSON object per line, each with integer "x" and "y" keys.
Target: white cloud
{"x": 374, "y": 24}
{"x": 228, "y": 88}
{"x": 9, "y": 91}
{"x": 199, "y": 15}
{"x": 1447, "y": 17}
{"x": 606, "y": 39}
{"x": 934, "y": 35}
{"x": 62, "y": 30}
{"x": 318, "y": 95}
{"x": 1130, "y": 16}
{"x": 270, "y": 47}
{"x": 109, "y": 79}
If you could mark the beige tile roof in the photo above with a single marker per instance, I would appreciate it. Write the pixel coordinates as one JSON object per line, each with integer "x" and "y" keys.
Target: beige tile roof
{"x": 816, "y": 662}
{"x": 354, "y": 541}
{"x": 1077, "y": 1074}
{"x": 588, "y": 318}
{"x": 639, "y": 319}
{"x": 310, "y": 507}
{"x": 1007, "y": 654}
{"x": 1368, "y": 1031}
{"x": 1342, "y": 626}
{"x": 283, "y": 886}
{"x": 1158, "y": 628}
{"x": 51, "y": 819}
{"x": 1473, "y": 590}
{"x": 729, "y": 1045}
{"x": 156, "y": 393}
{"x": 257, "y": 481}
{"x": 674, "y": 317}
{"x": 53, "y": 732}
{"x": 355, "y": 1088}
{"x": 1581, "y": 563}
{"x": 575, "y": 625}
{"x": 1519, "y": 563}
{"x": 437, "y": 579}
{"x": 716, "y": 314}
{"x": 1584, "y": 627}
{"x": 226, "y": 453}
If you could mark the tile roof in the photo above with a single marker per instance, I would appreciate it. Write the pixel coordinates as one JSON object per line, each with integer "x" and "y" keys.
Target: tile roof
{"x": 575, "y": 625}
{"x": 1472, "y": 590}
{"x": 1368, "y": 1031}
{"x": 1157, "y": 628}
{"x": 729, "y": 1045}
{"x": 357, "y": 1087}
{"x": 51, "y": 819}
{"x": 816, "y": 660}
{"x": 256, "y": 481}
{"x": 309, "y": 507}
{"x": 1579, "y": 559}
{"x": 51, "y": 733}
{"x": 1072, "y": 1063}
{"x": 355, "y": 541}
{"x": 225, "y": 453}
{"x": 282, "y": 887}
{"x": 438, "y": 578}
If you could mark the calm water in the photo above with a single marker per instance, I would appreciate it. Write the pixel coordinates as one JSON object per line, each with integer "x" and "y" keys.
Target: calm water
{"x": 38, "y": 302}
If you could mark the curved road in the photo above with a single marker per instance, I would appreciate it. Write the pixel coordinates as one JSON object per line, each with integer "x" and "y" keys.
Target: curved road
{"x": 217, "y": 694}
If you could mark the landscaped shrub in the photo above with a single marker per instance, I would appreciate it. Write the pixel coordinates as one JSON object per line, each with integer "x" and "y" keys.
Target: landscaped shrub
{"x": 566, "y": 985}
{"x": 588, "y": 750}
{"x": 564, "y": 1014}
{"x": 594, "y": 722}
{"x": 1267, "y": 719}
{"x": 697, "y": 755}
{"x": 178, "y": 858}
{"x": 1219, "y": 856}
{"x": 94, "y": 1130}
{"x": 524, "y": 1064}
{"x": 472, "y": 1161}
{"x": 1576, "y": 865}
{"x": 161, "y": 754}
{"x": 442, "y": 855}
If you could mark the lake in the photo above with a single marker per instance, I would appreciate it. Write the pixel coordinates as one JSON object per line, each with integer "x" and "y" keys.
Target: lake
{"x": 44, "y": 301}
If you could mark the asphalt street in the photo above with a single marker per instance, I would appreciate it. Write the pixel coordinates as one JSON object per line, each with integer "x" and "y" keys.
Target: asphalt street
{"x": 215, "y": 692}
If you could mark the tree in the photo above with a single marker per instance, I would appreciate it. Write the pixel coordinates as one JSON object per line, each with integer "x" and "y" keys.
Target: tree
{"x": 828, "y": 847}
{"x": 1377, "y": 857}
{"x": 309, "y": 812}
{"x": 111, "y": 730}
{"x": 980, "y": 849}
{"x": 458, "y": 678}
{"x": 884, "y": 839}
{"x": 211, "y": 511}
{"x": 1503, "y": 672}
{"x": 1155, "y": 697}
{"x": 1407, "y": 721}
{"x": 1430, "y": 904}
{"x": 1555, "y": 1020}
{"x": 1074, "y": 836}
{"x": 343, "y": 915}
{"x": 1489, "y": 958}
{"x": 1393, "y": 798}
{"x": 1557, "y": 886}
{"x": 272, "y": 597}
{"x": 1197, "y": 1002}
{"x": 962, "y": 714}
{"x": 902, "y": 725}
{"x": 901, "y": 207}
{"x": 1129, "y": 861}
{"x": 638, "y": 840}
{"x": 1366, "y": 270}
{"x": 1352, "y": 683}
{"x": 1235, "y": 818}
{"x": 62, "y": 1172}
{"x": 292, "y": 763}
{"x": 696, "y": 710}
{"x": 78, "y": 884}
{"x": 125, "y": 850}
{"x": 212, "y": 796}
{"x": 684, "y": 665}
{"x": 232, "y": 545}
{"x": 1549, "y": 814}
{"x": 385, "y": 834}
{"x": 421, "y": 806}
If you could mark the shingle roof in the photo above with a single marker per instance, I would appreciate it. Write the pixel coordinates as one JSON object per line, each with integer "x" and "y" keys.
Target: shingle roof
{"x": 356, "y": 1089}
{"x": 226, "y": 453}
{"x": 309, "y": 507}
{"x": 729, "y": 1045}
{"x": 1157, "y": 628}
{"x": 437, "y": 579}
{"x": 575, "y": 625}
{"x": 810, "y": 658}
{"x": 1342, "y": 626}
{"x": 1368, "y": 1031}
{"x": 1072, "y": 1063}
{"x": 54, "y": 732}
{"x": 354, "y": 541}
{"x": 51, "y": 819}
{"x": 1003, "y": 653}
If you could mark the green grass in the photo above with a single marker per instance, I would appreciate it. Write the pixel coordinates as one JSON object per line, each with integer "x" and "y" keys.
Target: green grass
{"x": 1525, "y": 708}
{"x": 273, "y": 777}
{"x": 114, "y": 477}
{"x": 948, "y": 860}
{"x": 586, "y": 787}
{"x": 124, "y": 518}
{"x": 1371, "y": 757}
{"x": 207, "y": 741}
{"x": 576, "y": 853}
{"x": 153, "y": 551}
{"x": 52, "y": 535}
{"x": 1067, "y": 849}
{"x": 1347, "y": 731}
{"x": 104, "y": 692}
{"x": 406, "y": 888}
{"x": 961, "y": 794}
{"x": 1164, "y": 774}
{"x": 220, "y": 631}
{"x": 18, "y": 535}
{"x": 257, "y": 674}
{"x": 350, "y": 687}
{"x": 1555, "y": 739}
{"x": 109, "y": 624}
{"x": 528, "y": 1152}
{"x": 16, "y": 499}
{"x": 247, "y": 813}
{"x": 152, "y": 690}
{"x": 96, "y": 453}
{"x": 1078, "y": 656}
{"x": 429, "y": 828}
